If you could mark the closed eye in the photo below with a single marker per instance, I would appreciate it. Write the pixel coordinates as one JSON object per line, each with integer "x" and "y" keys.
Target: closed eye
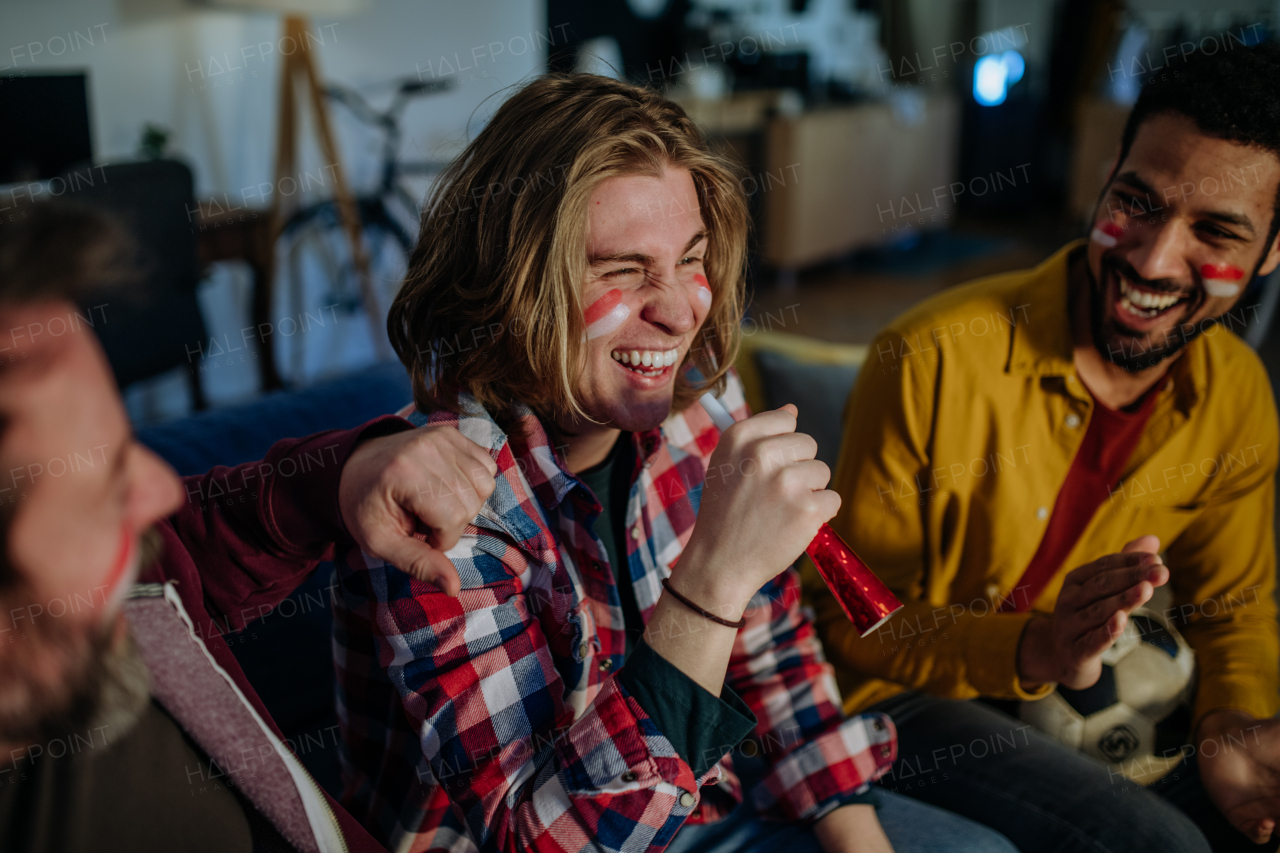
{"x": 1129, "y": 204}
{"x": 1216, "y": 233}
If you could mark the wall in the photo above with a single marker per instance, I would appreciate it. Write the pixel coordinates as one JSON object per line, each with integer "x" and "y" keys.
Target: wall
{"x": 210, "y": 75}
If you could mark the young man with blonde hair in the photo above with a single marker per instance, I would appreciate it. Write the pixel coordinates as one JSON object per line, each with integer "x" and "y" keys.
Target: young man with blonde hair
{"x": 604, "y": 654}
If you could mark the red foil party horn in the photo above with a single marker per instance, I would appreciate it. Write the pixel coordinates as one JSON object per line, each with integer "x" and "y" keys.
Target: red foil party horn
{"x": 863, "y": 597}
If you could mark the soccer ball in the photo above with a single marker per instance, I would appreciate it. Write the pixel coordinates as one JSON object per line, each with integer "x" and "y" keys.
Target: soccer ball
{"x": 1137, "y": 716}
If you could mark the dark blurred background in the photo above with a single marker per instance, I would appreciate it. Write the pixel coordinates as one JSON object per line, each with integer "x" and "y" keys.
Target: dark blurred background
{"x": 890, "y": 148}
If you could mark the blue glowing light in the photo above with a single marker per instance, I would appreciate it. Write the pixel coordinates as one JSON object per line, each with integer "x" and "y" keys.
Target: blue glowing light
{"x": 993, "y": 75}
{"x": 1014, "y": 64}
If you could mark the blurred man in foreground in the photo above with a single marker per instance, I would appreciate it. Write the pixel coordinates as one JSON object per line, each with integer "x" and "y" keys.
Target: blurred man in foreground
{"x": 119, "y": 697}
{"x": 1009, "y": 431}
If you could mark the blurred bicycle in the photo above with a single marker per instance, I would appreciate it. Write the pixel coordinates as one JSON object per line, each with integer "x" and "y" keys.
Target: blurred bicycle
{"x": 314, "y": 248}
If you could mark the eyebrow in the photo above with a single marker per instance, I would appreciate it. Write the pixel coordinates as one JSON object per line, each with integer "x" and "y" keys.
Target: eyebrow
{"x": 640, "y": 257}
{"x": 1239, "y": 220}
{"x": 1132, "y": 179}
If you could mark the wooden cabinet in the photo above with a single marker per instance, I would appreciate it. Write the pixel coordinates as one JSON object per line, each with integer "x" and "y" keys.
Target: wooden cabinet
{"x": 841, "y": 178}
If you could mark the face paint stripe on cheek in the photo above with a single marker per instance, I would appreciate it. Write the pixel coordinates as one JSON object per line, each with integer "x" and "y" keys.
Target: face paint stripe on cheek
{"x": 606, "y": 314}
{"x": 118, "y": 578}
{"x": 1107, "y": 235}
{"x": 1220, "y": 279}
{"x": 704, "y": 290}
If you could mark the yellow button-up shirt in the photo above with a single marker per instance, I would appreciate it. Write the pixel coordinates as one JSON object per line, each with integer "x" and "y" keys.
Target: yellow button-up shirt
{"x": 958, "y": 436}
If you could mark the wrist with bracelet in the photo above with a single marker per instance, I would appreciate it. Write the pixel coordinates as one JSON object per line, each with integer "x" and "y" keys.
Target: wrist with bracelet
{"x": 706, "y": 614}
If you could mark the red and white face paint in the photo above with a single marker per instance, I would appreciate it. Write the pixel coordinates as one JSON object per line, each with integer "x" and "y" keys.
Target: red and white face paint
{"x": 1107, "y": 235}
{"x": 1221, "y": 279}
{"x": 124, "y": 570}
{"x": 704, "y": 290}
{"x": 606, "y": 314}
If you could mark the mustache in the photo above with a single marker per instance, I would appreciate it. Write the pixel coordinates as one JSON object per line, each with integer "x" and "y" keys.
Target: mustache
{"x": 1164, "y": 285}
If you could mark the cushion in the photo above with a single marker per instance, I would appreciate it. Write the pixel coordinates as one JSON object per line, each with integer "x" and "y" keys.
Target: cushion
{"x": 819, "y": 392}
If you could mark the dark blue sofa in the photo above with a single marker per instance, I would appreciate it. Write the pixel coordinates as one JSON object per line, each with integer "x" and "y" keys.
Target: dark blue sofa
{"x": 288, "y": 654}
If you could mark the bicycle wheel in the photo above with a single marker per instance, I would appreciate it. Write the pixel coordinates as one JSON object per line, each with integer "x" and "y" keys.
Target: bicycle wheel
{"x": 318, "y": 289}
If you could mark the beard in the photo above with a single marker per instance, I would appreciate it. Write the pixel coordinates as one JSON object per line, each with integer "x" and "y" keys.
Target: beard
{"x": 1122, "y": 346}
{"x": 64, "y": 675}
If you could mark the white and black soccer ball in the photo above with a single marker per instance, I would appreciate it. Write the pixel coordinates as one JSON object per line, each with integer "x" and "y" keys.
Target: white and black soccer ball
{"x": 1136, "y": 717}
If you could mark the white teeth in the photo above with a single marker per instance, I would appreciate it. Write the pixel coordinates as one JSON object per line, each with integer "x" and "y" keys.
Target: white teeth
{"x": 1152, "y": 302}
{"x": 657, "y": 359}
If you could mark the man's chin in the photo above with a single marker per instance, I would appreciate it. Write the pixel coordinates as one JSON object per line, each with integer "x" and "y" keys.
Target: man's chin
{"x": 641, "y": 415}
{"x": 1134, "y": 350}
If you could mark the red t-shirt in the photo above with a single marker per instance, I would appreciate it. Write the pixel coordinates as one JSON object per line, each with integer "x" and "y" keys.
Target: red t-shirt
{"x": 1095, "y": 473}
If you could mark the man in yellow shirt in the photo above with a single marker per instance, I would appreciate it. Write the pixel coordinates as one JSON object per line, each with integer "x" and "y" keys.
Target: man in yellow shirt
{"x": 1019, "y": 450}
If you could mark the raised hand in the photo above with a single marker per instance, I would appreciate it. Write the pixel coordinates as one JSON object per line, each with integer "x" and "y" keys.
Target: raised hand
{"x": 1092, "y": 609}
{"x": 433, "y": 475}
{"x": 764, "y": 499}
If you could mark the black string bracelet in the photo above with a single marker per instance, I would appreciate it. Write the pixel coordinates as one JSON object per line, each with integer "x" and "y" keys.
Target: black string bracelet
{"x": 666, "y": 584}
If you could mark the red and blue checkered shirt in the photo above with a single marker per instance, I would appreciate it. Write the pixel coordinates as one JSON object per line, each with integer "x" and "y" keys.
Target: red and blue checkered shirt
{"x": 496, "y": 720}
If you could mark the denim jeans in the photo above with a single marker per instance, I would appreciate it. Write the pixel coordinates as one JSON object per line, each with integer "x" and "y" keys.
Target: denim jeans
{"x": 971, "y": 759}
{"x": 911, "y": 826}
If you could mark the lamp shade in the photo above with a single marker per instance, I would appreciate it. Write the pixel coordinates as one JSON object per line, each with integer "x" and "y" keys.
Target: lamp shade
{"x": 309, "y": 8}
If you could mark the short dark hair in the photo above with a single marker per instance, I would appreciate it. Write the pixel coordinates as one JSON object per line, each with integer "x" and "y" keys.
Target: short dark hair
{"x": 59, "y": 250}
{"x": 1234, "y": 95}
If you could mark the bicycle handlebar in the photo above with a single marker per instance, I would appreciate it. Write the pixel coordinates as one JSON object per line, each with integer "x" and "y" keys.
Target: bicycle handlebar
{"x": 356, "y": 102}
{"x": 410, "y": 87}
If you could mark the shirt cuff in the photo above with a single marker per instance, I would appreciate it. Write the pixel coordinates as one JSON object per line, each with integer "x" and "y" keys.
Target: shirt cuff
{"x": 991, "y": 657}
{"x": 869, "y": 797}
{"x": 1224, "y": 695}
{"x": 301, "y": 478}
{"x": 701, "y": 727}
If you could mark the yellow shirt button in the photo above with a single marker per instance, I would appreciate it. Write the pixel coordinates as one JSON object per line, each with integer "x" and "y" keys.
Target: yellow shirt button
{"x": 686, "y": 799}
{"x": 992, "y": 590}
{"x": 1073, "y": 420}
{"x": 1042, "y": 513}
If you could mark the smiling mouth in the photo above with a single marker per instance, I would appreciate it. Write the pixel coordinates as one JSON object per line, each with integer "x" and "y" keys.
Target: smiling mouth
{"x": 646, "y": 362}
{"x": 1145, "y": 303}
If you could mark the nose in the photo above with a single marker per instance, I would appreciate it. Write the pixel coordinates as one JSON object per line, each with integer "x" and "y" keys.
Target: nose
{"x": 154, "y": 489}
{"x": 668, "y": 306}
{"x": 1161, "y": 252}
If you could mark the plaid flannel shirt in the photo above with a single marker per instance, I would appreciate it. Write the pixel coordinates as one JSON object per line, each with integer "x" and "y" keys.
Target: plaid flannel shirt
{"x": 496, "y": 719}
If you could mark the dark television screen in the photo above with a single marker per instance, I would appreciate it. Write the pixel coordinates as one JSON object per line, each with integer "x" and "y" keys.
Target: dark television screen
{"x": 46, "y": 126}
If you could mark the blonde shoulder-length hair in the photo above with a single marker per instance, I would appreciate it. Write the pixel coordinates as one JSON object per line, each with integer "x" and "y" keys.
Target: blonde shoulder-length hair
{"x": 491, "y": 303}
